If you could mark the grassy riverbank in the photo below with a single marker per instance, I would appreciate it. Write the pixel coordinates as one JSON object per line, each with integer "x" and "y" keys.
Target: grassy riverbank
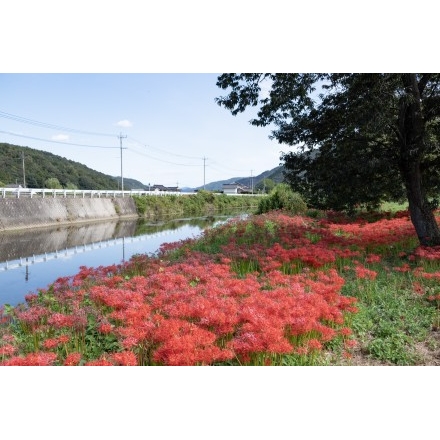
{"x": 273, "y": 289}
{"x": 202, "y": 203}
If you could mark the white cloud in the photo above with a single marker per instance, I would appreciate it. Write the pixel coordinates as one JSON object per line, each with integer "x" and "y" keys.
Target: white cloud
{"x": 124, "y": 123}
{"x": 60, "y": 137}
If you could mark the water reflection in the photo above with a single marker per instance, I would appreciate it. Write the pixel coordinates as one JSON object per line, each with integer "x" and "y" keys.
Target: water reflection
{"x": 33, "y": 259}
{"x": 16, "y": 245}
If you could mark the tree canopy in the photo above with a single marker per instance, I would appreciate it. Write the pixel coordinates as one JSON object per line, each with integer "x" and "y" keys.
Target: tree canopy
{"x": 357, "y": 139}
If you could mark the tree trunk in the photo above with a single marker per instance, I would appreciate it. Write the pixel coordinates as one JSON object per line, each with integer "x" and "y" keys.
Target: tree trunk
{"x": 420, "y": 211}
{"x": 412, "y": 148}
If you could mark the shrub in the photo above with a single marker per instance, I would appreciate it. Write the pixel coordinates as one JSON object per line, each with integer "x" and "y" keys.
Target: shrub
{"x": 282, "y": 197}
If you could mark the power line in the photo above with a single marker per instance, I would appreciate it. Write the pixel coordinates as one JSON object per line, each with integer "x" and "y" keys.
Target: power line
{"x": 47, "y": 125}
{"x": 54, "y": 142}
{"x": 163, "y": 151}
{"x": 164, "y": 161}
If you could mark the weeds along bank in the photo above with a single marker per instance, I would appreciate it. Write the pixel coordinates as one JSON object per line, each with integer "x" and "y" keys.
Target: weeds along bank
{"x": 271, "y": 289}
{"x": 202, "y": 203}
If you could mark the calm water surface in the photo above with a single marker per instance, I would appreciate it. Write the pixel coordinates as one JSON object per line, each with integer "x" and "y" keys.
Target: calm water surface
{"x": 30, "y": 260}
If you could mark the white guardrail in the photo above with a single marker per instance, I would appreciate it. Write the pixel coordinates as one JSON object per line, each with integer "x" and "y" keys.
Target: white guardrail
{"x": 90, "y": 193}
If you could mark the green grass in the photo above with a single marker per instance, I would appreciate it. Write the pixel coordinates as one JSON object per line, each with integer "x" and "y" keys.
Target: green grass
{"x": 393, "y": 206}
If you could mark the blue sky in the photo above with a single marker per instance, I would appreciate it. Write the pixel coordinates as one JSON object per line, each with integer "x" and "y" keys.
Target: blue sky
{"x": 171, "y": 122}
{"x": 150, "y": 73}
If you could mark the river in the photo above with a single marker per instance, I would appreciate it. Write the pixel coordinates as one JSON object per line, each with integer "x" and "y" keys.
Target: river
{"x": 33, "y": 259}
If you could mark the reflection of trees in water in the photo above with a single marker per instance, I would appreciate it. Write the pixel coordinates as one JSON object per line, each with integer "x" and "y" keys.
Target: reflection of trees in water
{"x": 26, "y": 243}
{"x": 147, "y": 227}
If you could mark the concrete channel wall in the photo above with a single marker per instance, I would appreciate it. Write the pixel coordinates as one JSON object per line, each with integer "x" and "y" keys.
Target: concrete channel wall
{"x": 23, "y": 213}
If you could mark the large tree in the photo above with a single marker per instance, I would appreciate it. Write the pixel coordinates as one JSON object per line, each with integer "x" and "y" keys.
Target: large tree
{"x": 359, "y": 139}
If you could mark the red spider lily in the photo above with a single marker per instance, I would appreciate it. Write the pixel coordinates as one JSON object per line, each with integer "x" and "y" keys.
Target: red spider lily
{"x": 404, "y": 268}
{"x": 32, "y": 359}
{"x": 347, "y": 354}
{"x": 115, "y": 298}
{"x": 350, "y": 343}
{"x": 7, "y": 350}
{"x": 418, "y": 288}
{"x": 363, "y": 272}
{"x": 99, "y": 363}
{"x": 50, "y": 343}
{"x": 73, "y": 359}
{"x": 314, "y": 344}
{"x": 373, "y": 258}
{"x": 55, "y": 342}
{"x": 136, "y": 334}
{"x": 345, "y": 331}
{"x": 183, "y": 343}
{"x": 31, "y": 298}
{"x": 33, "y": 316}
{"x": 431, "y": 275}
{"x": 428, "y": 253}
{"x": 130, "y": 342}
{"x": 127, "y": 358}
{"x": 60, "y": 320}
{"x": 105, "y": 328}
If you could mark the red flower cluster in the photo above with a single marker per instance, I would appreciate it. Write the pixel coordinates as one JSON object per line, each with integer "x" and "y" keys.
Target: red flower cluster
{"x": 273, "y": 289}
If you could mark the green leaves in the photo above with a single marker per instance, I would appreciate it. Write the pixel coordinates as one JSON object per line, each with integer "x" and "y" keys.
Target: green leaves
{"x": 359, "y": 139}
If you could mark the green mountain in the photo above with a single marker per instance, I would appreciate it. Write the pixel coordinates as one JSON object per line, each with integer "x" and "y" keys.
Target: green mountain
{"x": 40, "y": 166}
{"x": 276, "y": 174}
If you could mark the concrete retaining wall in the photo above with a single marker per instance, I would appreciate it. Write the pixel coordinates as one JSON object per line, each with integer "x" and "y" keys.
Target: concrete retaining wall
{"x": 35, "y": 212}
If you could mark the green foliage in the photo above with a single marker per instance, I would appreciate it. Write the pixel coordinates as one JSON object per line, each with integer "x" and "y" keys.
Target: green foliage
{"x": 364, "y": 138}
{"x": 390, "y": 320}
{"x": 201, "y": 203}
{"x": 52, "y": 183}
{"x": 206, "y": 196}
{"x": 282, "y": 197}
{"x": 265, "y": 186}
{"x": 141, "y": 204}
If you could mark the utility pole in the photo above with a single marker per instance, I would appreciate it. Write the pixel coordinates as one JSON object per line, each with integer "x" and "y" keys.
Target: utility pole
{"x": 120, "y": 142}
{"x": 204, "y": 166}
{"x": 24, "y": 174}
{"x": 252, "y": 182}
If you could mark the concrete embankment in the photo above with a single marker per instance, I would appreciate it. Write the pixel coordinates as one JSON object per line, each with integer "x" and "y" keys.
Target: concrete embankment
{"x": 36, "y": 212}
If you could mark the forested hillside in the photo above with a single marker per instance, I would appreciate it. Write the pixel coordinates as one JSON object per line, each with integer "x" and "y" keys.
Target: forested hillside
{"x": 39, "y": 166}
{"x": 275, "y": 174}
